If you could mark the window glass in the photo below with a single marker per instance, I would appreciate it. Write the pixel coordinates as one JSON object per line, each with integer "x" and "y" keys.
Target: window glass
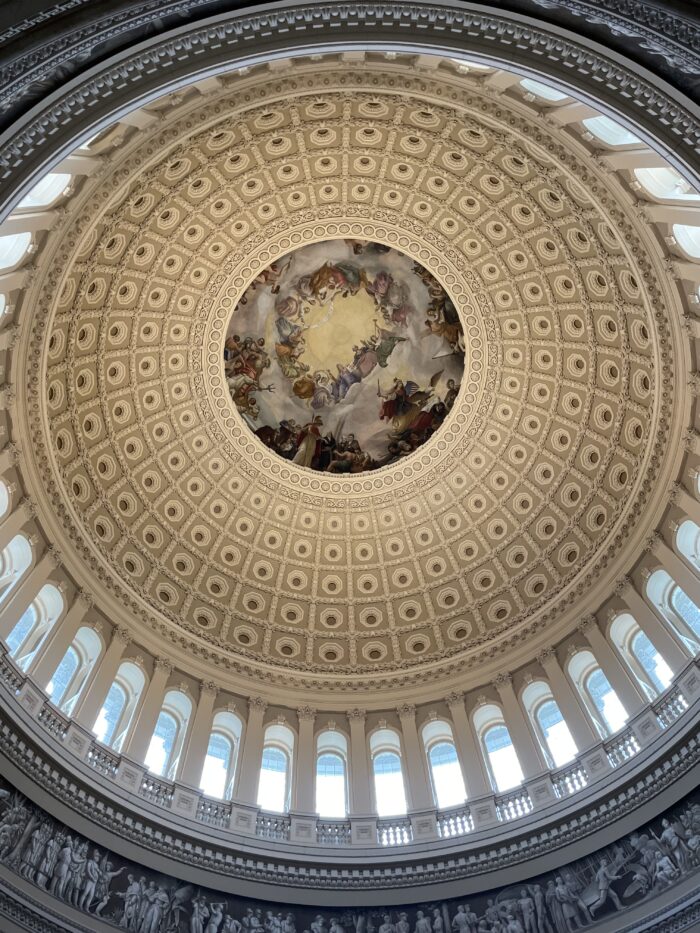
{"x": 63, "y": 675}
{"x": 110, "y": 714}
{"x": 272, "y": 790}
{"x": 606, "y": 700}
{"x": 162, "y": 744}
{"x": 556, "y": 733}
{"x": 688, "y": 238}
{"x": 330, "y": 786}
{"x": 13, "y": 248}
{"x": 46, "y": 191}
{"x": 686, "y": 609}
{"x": 653, "y": 663}
{"x": 388, "y": 784}
{"x": 663, "y": 182}
{"x": 19, "y": 633}
{"x": 610, "y": 131}
{"x": 542, "y": 90}
{"x": 448, "y": 783}
{"x": 503, "y": 760}
{"x": 216, "y": 766}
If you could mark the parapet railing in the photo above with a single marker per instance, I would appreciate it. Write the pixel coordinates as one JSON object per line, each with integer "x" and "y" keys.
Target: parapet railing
{"x": 233, "y": 816}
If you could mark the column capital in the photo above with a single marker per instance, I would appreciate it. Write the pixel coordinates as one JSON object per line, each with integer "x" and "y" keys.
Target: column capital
{"x": 27, "y": 505}
{"x": 652, "y": 541}
{"x": 546, "y": 655}
{"x": 621, "y": 585}
{"x": 585, "y": 624}
{"x": 406, "y": 711}
{"x": 306, "y": 714}
{"x": 54, "y": 555}
{"x": 163, "y": 664}
{"x": 85, "y": 599}
{"x": 674, "y": 492}
{"x": 356, "y": 715}
{"x": 502, "y": 680}
{"x": 455, "y": 698}
{"x": 257, "y": 703}
{"x": 209, "y": 687}
{"x": 121, "y": 634}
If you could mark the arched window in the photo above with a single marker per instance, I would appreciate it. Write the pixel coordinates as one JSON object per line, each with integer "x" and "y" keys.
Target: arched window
{"x": 168, "y": 736}
{"x": 603, "y": 705}
{"x": 688, "y": 543}
{"x": 650, "y": 670}
{"x": 45, "y": 192}
{"x": 5, "y": 496}
{"x": 219, "y": 767}
{"x": 445, "y": 770}
{"x": 331, "y": 774}
{"x": 610, "y": 132}
{"x": 114, "y": 719}
{"x": 676, "y": 607}
{"x": 275, "y": 786}
{"x": 542, "y": 90}
{"x": 13, "y": 249}
{"x": 389, "y": 790}
{"x": 15, "y": 561}
{"x": 666, "y": 183}
{"x": 70, "y": 676}
{"x": 28, "y": 635}
{"x": 550, "y": 726}
{"x": 499, "y": 752}
{"x": 688, "y": 238}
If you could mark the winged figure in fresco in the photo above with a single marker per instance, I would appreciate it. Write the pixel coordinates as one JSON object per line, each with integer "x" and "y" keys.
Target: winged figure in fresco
{"x": 403, "y": 403}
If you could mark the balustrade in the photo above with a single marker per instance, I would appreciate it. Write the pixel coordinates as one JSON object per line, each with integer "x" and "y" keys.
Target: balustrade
{"x": 455, "y": 823}
{"x": 514, "y": 805}
{"x": 334, "y": 832}
{"x": 570, "y": 781}
{"x": 670, "y": 707}
{"x": 272, "y": 826}
{"x": 394, "y": 832}
{"x": 622, "y": 747}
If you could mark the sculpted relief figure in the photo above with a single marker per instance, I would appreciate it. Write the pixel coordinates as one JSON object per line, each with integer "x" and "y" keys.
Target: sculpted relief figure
{"x": 137, "y": 900}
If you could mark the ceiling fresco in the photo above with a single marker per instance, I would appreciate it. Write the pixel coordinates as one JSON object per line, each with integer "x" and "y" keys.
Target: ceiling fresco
{"x": 344, "y": 356}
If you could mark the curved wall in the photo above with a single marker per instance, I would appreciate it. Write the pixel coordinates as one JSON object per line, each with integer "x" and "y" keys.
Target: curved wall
{"x": 609, "y": 890}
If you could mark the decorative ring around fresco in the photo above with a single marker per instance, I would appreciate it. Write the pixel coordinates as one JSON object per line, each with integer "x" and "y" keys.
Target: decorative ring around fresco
{"x": 470, "y": 403}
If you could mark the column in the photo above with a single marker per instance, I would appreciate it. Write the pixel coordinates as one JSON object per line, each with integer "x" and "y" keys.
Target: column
{"x": 25, "y": 592}
{"x": 579, "y": 726}
{"x": 420, "y": 795}
{"x": 470, "y": 757}
{"x": 304, "y": 774}
{"x": 628, "y": 693}
{"x": 58, "y": 641}
{"x": 251, "y": 753}
{"x": 90, "y": 704}
{"x": 200, "y": 732}
{"x": 658, "y": 632}
{"x": 16, "y": 521}
{"x": 529, "y": 754}
{"x": 687, "y": 502}
{"x": 677, "y": 568}
{"x": 147, "y": 716}
{"x": 360, "y": 793}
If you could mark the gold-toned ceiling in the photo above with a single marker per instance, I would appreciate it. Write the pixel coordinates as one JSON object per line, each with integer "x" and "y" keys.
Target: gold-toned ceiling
{"x": 534, "y": 483}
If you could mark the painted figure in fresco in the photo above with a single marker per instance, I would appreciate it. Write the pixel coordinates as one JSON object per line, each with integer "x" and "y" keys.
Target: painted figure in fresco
{"x": 200, "y": 915}
{"x": 665, "y": 872}
{"x": 60, "y": 872}
{"x": 673, "y": 836}
{"x": 308, "y": 442}
{"x": 527, "y": 911}
{"x": 132, "y": 899}
{"x": 387, "y": 926}
{"x": 605, "y": 877}
{"x": 423, "y": 924}
{"x": 543, "y": 924}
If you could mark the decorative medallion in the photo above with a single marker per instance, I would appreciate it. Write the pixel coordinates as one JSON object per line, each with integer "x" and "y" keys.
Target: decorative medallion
{"x": 344, "y": 356}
